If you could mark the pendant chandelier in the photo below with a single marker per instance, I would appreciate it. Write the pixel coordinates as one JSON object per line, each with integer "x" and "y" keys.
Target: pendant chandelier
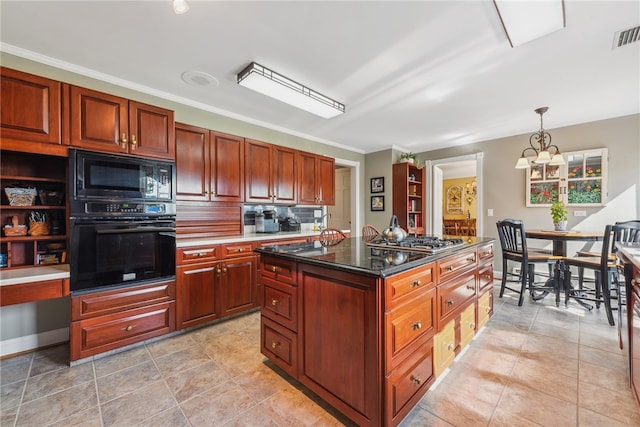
{"x": 540, "y": 143}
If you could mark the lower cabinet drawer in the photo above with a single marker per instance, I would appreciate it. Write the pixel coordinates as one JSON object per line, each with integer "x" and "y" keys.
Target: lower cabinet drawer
{"x": 485, "y": 308}
{"x": 485, "y": 277}
{"x": 280, "y": 345}
{"x": 408, "y": 383}
{"x": 444, "y": 348}
{"x": 279, "y": 303}
{"x": 467, "y": 325}
{"x": 453, "y": 296}
{"x": 100, "y": 334}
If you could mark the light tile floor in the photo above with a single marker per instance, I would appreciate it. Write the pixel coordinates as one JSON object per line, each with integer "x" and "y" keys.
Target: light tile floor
{"x": 535, "y": 365}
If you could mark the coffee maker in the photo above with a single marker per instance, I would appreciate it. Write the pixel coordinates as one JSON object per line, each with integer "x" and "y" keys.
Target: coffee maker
{"x": 266, "y": 222}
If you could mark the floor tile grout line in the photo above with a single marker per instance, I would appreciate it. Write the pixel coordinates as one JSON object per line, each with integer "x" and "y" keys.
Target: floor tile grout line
{"x": 24, "y": 390}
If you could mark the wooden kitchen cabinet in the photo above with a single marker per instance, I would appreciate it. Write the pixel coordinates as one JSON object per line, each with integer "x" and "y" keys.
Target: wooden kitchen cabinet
{"x": 31, "y": 112}
{"x": 209, "y": 165}
{"x": 408, "y": 204}
{"x": 103, "y": 321}
{"x": 215, "y": 281}
{"x": 270, "y": 173}
{"x": 107, "y": 123}
{"x": 316, "y": 179}
{"x": 46, "y": 173}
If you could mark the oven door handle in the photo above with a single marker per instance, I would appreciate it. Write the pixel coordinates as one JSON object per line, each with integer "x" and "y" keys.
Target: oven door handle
{"x": 136, "y": 230}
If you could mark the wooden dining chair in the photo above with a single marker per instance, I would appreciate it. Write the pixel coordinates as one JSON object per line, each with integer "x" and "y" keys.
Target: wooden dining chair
{"x": 369, "y": 232}
{"x": 331, "y": 236}
{"x": 605, "y": 288}
{"x": 514, "y": 250}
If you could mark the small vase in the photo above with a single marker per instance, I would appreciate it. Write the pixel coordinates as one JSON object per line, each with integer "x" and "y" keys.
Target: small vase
{"x": 560, "y": 226}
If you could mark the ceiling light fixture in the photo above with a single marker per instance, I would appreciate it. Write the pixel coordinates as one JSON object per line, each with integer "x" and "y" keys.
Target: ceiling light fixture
{"x": 543, "y": 139}
{"x": 524, "y": 21}
{"x": 180, "y": 6}
{"x": 270, "y": 83}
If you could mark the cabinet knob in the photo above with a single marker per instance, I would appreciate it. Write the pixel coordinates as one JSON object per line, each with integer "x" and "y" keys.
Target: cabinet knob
{"x": 450, "y": 347}
{"x": 218, "y": 270}
{"x": 471, "y": 259}
{"x": 416, "y": 325}
{"x": 449, "y": 268}
{"x": 275, "y": 302}
{"x": 128, "y": 328}
{"x": 274, "y": 269}
{"x": 123, "y": 141}
{"x": 416, "y": 283}
{"x": 275, "y": 344}
{"x": 224, "y": 269}
{"x": 133, "y": 142}
{"x": 415, "y": 380}
{"x": 240, "y": 249}
{"x": 487, "y": 276}
{"x": 450, "y": 302}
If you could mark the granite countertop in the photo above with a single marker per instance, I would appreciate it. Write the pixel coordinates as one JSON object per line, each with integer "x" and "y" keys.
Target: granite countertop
{"x": 354, "y": 255}
{"x": 34, "y": 274}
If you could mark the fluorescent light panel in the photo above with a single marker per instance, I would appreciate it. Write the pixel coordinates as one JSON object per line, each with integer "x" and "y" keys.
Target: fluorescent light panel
{"x": 277, "y": 86}
{"x": 524, "y": 21}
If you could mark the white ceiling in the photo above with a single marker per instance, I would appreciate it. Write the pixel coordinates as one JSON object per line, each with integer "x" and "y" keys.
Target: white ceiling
{"x": 415, "y": 75}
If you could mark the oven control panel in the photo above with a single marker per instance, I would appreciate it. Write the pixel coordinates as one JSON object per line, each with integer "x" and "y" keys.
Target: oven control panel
{"x": 129, "y": 208}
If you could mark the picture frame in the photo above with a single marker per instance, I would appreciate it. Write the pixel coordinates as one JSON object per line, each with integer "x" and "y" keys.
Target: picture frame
{"x": 377, "y": 184}
{"x": 377, "y": 203}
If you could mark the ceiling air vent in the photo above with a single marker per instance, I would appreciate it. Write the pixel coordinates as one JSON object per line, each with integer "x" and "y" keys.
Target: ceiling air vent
{"x": 625, "y": 37}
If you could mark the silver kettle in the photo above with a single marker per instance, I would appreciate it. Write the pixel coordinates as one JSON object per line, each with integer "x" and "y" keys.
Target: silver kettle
{"x": 394, "y": 233}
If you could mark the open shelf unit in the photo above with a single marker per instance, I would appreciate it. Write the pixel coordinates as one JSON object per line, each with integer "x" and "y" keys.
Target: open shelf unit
{"x": 408, "y": 201}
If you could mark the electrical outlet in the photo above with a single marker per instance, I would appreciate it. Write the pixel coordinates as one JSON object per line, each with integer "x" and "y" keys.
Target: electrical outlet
{"x": 579, "y": 213}
{"x": 317, "y": 213}
{"x": 489, "y": 212}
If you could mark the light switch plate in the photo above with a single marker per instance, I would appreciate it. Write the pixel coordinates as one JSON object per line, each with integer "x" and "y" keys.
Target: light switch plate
{"x": 489, "y": 212}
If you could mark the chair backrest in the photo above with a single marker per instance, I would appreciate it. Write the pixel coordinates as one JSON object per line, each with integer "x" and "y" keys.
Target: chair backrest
{"x": 512, "y": 238}
{"x": 369, "y": 232}
{"x": 331, "y": 234}
{"x": 627, "y": 232}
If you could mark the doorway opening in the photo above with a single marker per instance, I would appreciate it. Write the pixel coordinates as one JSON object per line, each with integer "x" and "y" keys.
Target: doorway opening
{"x": 465, "y": 201}
{"x": 345, "y": 215}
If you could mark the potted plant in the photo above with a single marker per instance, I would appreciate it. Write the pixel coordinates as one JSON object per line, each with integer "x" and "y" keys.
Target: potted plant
{"x": 559, "y": 215}
{"x": 408, "y": 157}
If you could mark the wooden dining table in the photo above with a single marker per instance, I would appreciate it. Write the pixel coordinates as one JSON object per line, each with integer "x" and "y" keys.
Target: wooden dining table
{"x": 560, "y": 238}
{"x": 561, "y": 270}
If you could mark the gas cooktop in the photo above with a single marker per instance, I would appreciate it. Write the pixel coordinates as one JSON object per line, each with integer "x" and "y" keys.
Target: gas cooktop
{"x": 428, "y": 244}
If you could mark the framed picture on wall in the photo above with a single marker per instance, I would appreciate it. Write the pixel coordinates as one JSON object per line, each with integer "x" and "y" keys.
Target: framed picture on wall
{"x": 377, "y": 185}
{"x": 377, "y": 203}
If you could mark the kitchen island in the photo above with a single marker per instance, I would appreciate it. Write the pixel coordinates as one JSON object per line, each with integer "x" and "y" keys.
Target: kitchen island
{"x": 367, "y": 328}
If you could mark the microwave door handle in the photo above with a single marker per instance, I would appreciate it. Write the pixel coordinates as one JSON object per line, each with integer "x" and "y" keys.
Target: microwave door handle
{"x": 136, "y": 230}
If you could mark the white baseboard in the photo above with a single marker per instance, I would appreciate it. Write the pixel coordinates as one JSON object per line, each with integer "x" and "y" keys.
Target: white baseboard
{"x": 34, "y": 341}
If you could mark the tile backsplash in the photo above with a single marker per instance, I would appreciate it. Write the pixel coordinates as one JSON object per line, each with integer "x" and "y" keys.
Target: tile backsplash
{"x": 304, "y": 214}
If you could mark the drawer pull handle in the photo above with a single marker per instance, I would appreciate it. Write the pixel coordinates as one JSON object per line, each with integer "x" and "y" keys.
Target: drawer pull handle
{"x": 471, "y": 287}
{"x": 450, "y": 302}
{"x": 415, "y": 380}
{"x": 416, "y": 283}
{"x": 128, "y": 328}
{"x": 240, "y": 249}
{"x": 472, "y": 259}
{"x": 274, "y": 269}
{"x": 472, "y": 325}
{"x": 275, "y": 302}
{"x": 487, "y": 276}
{"x": 275, "y": 344}
{"x": 449, "y": 268}
{"x": 416, "y": 325}
{"x": 487, "y": 309}
{"x": 450, "y": 347}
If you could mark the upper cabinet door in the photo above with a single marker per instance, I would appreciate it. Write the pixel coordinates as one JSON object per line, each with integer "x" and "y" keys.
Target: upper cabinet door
{"x": 192, "y": 163}
{"x": 326, "y": 181}
{"x": 30, "y": 108}
{"x": 284, "y": 175}
{"x": 258, "y": 172}
{"x": 307, "y": 175}
{"x": 151, "y": 131}
{"x": 99, "y": 121}
{"x": 111, "y": 124}
{"x": 227, "y": 167}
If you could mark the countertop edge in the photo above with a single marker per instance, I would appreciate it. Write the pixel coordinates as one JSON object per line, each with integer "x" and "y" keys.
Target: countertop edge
{"x": 34, "y": 274}
{"x": 632, "y": 253}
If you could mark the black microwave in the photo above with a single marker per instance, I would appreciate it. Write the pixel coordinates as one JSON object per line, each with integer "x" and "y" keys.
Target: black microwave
{"x": 110, "y": 183}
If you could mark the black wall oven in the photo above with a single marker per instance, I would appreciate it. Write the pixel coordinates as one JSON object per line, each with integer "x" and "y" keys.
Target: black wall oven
{"x": 122, "y": 224}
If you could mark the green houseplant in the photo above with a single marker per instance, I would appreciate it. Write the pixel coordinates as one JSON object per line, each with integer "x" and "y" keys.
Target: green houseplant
{"x": 560, "y": 215}
{"x": 408, "y": 157}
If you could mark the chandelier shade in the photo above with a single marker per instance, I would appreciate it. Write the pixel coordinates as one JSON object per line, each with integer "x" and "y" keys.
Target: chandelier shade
{"x": 540, "y": 144}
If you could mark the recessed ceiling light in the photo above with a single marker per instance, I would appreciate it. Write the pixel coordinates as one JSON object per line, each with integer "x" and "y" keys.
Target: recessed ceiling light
{"x": 200, "y": 79}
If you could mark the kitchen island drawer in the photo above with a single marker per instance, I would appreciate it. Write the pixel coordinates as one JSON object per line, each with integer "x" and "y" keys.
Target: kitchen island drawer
{"x": 279, "y": 303}
{"x": 454, "y": 295}
{"x": 485, "y": 308}
{"x": 453, "y": 265}
{"x": 408, "y": 284}
{"x": 197, "y": 254}
{"x": 444, "y": 347}
{"x": 485, "y": 277}
{"x": 100, "y": 334}
{"x": 280, "y": 345}
{"x": 467, "y": 325}
{"x": 408, "y": 383}
{"x": 278, "y": 269}
{"x": 485, "y": 252}
{"x": 409, "y": 323}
